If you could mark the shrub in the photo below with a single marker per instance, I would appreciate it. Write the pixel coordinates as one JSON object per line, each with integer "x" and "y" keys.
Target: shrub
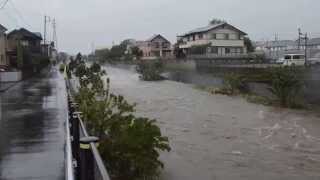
{"x": 61, "y": 67}
{"x": 234, "y": 83}
{"x": 129, "y": 145}
{"x": 150, "y": 71}
{"x": 285, "y": 85}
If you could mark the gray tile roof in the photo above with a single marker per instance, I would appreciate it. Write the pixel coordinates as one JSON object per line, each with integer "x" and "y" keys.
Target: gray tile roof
{"x": 155, "y": 36}
{"x": 2, "y": 28}
{"x": 208, "y": 28}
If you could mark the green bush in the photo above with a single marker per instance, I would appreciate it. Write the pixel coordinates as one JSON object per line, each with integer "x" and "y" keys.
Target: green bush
{"x": 61, "y": 67}
{"x": 286, "y": 86}
{"x": 150, "y": 71}
{"x": 234, "y": 83}
{"x": 129, "y": 144}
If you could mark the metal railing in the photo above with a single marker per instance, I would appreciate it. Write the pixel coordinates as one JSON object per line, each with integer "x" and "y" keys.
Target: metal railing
{"x": 83, "y": 158}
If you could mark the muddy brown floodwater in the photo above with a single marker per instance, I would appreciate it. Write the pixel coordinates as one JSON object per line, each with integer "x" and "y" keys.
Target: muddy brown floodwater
{"x": 220, "y": 137}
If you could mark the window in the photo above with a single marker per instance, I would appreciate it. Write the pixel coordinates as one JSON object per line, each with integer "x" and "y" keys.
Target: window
{"x": 24, "y": 43}
{"x": 194, "y": 37}
{"x": 200, "y": 36}
{"x": 157, "y": 44}
{"x": 298, "y": 57}
{"x": 226, "y": 36}
{"x": 214, "y": 50}
{"x": 214, "y": 36}
{"x": 227, "y": 50}
{"x": 287, "y": 57}
{"x": 164, "y": 45}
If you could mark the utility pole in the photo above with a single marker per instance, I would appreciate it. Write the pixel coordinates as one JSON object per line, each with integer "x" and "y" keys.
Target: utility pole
{"x": 54, "y": 34}
{"x": 299, "y": 38}
{"x": 45, "y": 30}
{"x": 305, "y": 48}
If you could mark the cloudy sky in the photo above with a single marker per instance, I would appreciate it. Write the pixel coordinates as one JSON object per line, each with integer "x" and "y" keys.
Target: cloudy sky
{"x": 82, "y": 24}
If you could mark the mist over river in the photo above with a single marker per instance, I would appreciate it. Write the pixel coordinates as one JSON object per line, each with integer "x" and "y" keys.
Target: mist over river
{"x": 220, "y": 137}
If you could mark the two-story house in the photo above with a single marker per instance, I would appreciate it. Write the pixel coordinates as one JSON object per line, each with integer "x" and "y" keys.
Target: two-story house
{"x": 30, "y": 41}
{"x": 155, "y": 47}
{"x": 221, "y": 39}
{"x": 3, "y": 42}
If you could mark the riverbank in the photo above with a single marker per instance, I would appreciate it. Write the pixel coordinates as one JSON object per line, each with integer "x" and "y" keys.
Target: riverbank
{"x": 221, "y": 137}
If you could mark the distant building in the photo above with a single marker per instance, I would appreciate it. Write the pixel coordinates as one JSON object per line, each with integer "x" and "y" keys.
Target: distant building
{"x": 222, "y": 39}
{"x": 155, "y": 47}
{"x": 276, "y": 49}
{"x": 3, "y": 42}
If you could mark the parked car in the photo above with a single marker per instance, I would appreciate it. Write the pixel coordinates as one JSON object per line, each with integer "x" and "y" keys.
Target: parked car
{"x": 294, "y": 60}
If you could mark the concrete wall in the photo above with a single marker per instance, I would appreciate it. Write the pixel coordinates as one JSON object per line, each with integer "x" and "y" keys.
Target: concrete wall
{"x": 11, "y": 76}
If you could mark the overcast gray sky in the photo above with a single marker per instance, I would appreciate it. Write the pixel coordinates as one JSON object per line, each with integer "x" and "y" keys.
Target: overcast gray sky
{"x": 81, "y": 23}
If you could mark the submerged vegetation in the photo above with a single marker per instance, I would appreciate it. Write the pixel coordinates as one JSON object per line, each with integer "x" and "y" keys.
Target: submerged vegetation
{"x": 284, "y": 85}
{"x": 129, "y": 144}
{"x": 150, "y": 71}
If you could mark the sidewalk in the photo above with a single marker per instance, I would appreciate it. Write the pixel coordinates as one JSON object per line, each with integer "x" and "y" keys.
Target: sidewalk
{"x": 32, "y": 129}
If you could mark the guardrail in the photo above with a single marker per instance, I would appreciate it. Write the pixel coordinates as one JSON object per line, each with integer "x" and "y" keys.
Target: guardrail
{"x": 86, "y": 159}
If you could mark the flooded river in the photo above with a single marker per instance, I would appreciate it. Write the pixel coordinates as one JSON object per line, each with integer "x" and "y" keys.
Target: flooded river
{"x": 220, "y": 137}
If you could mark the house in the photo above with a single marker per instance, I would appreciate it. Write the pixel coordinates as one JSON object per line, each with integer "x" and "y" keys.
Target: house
{"x": 220, "y": 39}
{"x": 30, "y": 42}
{"x": 3, "y": 42}
{"x": 155, "y": 47}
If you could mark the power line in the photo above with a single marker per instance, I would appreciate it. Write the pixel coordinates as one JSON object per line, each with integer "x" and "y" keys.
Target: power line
{"x": 4, "y": 4}
{"x": 19, "y": 14}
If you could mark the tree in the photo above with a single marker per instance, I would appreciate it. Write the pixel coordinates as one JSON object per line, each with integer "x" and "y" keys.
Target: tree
{"x": 102, "y": 55}
{"x": 129, "y": 145}
{"x": 248, "y": 44}
{"x": 136, "y": 52}
{"x": 117, "y": 51}
{"x": 285, "y": 85}
{"x": 216, "y": 21}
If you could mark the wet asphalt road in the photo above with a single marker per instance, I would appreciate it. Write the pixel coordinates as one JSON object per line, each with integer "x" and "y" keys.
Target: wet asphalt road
{"x": 32, "y": 129}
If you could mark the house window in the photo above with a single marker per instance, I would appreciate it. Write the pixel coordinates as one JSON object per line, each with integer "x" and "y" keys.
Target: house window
{"x": 157, "y": 45}
{"x": 200, "y": 36}
{"x": 226, "y": 36}
{"x": 227, "y": 50}
{"x": 164, "y": 45}
{"x": 24, "y": 43}
{"x": 194, "y": 37}
{"x": 214, "y": 36}
{"x": 214, "y": 50}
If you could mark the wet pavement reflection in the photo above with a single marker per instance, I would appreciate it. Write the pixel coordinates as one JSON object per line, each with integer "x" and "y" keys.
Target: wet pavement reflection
{"x": 32, "y": 129}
